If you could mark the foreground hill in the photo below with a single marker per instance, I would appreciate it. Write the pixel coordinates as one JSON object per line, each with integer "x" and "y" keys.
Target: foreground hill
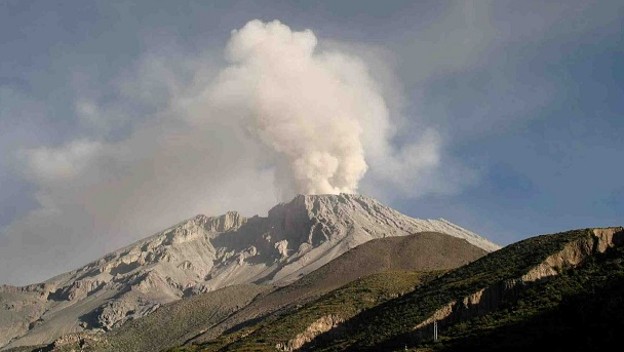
{"x": 201, "y": 255}
{"x": 565, "y": 287}
{"x": 290, "y": 329}
{"x": 420, "y": 252}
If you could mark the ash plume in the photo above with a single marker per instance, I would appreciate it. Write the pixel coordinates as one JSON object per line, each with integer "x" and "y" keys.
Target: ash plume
{"x": 306, "y": 106}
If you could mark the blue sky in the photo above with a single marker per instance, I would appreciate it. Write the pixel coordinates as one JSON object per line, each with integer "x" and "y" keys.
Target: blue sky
{"x": 527, "y": 97}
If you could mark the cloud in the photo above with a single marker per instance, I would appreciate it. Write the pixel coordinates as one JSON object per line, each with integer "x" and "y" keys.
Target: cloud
{"x": 59, "y": 164}
{"x": 281, "y": 117}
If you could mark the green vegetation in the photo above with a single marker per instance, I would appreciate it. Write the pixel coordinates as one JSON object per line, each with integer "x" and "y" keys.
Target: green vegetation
{"x": 581, "y": 309}
{"x": 388, "y": 325}
{"x": 344, "y": 302}
{"x": 381, "y": 310}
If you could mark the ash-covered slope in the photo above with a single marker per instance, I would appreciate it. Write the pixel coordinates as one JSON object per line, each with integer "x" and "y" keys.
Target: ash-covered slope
{"x": 203, "y": 254}
{"x": 204, "y": 317}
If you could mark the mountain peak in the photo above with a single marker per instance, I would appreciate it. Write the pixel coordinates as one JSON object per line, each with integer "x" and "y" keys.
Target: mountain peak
{"x": 207, "y": 253}
{"x": 359, "y": 212}
{"x": 335, "y": 199}
{"x": 328, "y": 203}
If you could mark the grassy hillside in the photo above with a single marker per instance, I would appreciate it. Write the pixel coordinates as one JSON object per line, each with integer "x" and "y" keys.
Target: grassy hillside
{"x": 582, "y": 309}
{"x": 418, "y": 252}
{"x": 390, "y": 326}
{"x": 345, "y": 302}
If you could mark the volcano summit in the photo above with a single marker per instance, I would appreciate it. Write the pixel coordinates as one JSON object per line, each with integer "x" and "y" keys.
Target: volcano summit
{"x": 204, "y": 254}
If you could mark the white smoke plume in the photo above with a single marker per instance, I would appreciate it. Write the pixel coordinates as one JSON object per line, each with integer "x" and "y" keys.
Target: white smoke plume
{"x": 321, "y": 115}
{"x": 306, "y": 106}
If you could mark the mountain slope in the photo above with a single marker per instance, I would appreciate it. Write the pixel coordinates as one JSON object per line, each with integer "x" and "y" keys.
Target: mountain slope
{"x": 493, "y": 298}
{"x": 397, "y": 262}
{"x": 208, "y": 314}
{"x": 201, "y": 255}
{"x": 175, "y": 323}
{"x": 424, "y": 251}
{"x": 292, "y": 327}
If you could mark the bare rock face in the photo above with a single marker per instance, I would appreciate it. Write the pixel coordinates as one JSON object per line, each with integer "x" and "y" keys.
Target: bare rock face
{"x": 575, "y": 252}
{"x": 75, "y": 342}
{"x": 318, "y": 327}
{"x": 200, "y": 255}
{"x": 78, "y": 289}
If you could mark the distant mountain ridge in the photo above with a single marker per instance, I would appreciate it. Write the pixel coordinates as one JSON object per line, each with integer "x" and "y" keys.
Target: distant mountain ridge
{"x": 204, "y": 254}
